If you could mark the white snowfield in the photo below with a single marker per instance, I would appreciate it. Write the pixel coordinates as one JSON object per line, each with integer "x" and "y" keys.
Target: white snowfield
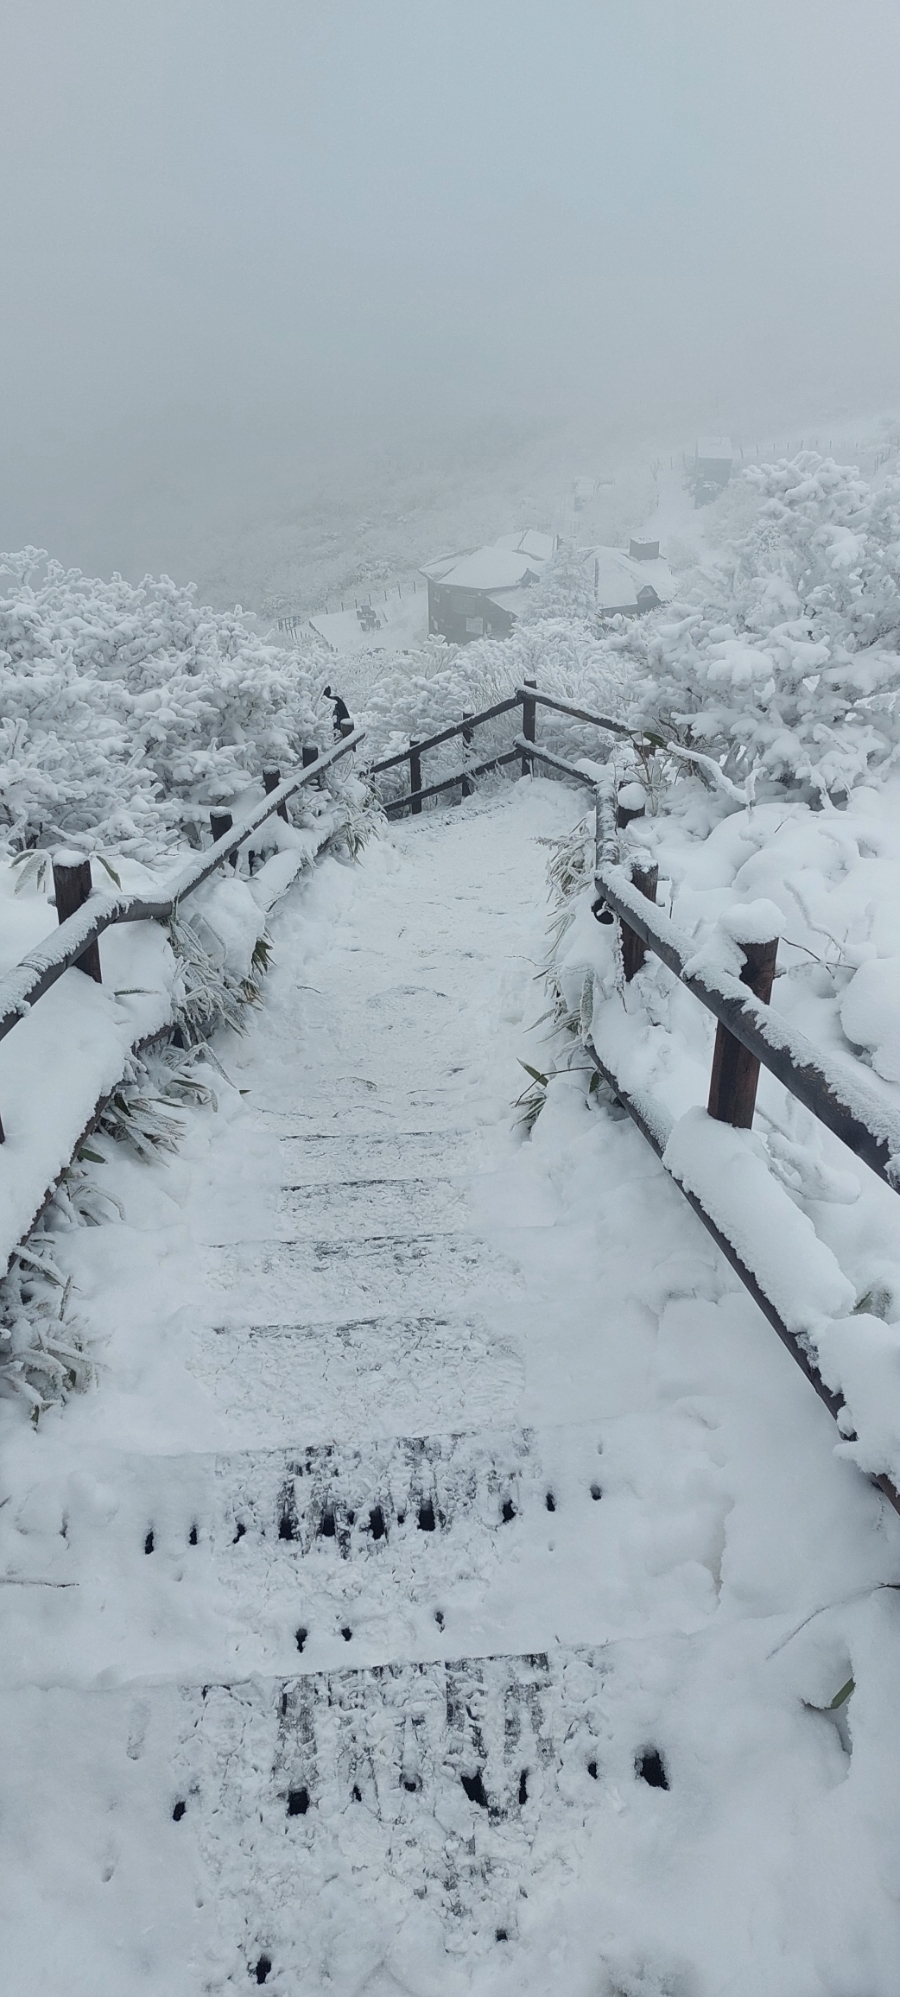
{"x": 445, "y": 1588}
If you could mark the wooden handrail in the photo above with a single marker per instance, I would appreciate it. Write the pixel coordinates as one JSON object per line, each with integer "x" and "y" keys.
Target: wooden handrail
{"x": 414, "y": 798}
{"x": 843, "y": 1103}
{"x": 447, "y": 734}
{"x": 656, "y": 1124}
{"x": 577, "y": 713}
{"x": 26, "y": 983}
{"x": 566, "y": 769}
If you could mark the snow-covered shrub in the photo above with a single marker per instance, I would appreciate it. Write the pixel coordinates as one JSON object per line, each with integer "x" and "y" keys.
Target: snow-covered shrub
{"x": 125, "y": 710}
{"x": 44, "y": 1350}
{"x": 782, "y": 657}
{"x": 564, "y": 589}
{"x": 786, "y": 661}
{"x": 436, "y": 686}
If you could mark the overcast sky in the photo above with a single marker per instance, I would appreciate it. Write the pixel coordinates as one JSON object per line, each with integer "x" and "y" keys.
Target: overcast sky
{"x": 244, "y": 228}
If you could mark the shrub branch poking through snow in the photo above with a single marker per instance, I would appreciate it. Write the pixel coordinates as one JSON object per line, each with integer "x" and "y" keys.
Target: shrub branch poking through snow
{"x": 570, "y": 877}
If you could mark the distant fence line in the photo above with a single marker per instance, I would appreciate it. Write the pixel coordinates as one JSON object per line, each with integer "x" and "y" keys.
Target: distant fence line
{"x": 383, "y": 594}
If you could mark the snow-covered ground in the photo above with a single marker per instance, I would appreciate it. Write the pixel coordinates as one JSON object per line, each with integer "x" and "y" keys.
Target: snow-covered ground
{"x": 443, "y": 1496}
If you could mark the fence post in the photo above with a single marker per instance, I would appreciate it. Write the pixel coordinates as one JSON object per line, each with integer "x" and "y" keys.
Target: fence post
{"x": 415, "y": 777}
{"x": 735, "y": 1071}
{"x": 632, "y": 804}
{"x": 271, "y": 781}
{"x": 645, "y": 877}
{"x": 310, "y": 754}
{"x": 529, "y": 711}
{"x": 468, "y": 737}
{"x": 71, "y": 885}
{"x": 221, "y": 822}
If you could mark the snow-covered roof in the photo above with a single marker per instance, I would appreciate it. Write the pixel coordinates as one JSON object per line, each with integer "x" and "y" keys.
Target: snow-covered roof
{"x": 714, "y": 447}
{"x": 618, "y": 577}
{"x": 532, "y": 542}
{"x": 505, "y": 564}
{"x": 490, "y": 568}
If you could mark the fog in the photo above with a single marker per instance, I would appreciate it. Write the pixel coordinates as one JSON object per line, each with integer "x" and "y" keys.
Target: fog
{"x": 261, "y": 257}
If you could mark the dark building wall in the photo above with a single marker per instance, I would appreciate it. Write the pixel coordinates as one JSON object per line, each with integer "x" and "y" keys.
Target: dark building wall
{"x": 462, "y": 615}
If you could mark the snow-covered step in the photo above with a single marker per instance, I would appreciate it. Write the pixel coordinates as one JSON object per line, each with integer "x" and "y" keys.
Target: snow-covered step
{"x": 401, "y": 1372}
{"x": 352, "y": 1108}
{"x": 370, "y": 1207}
{"x": 316, "y": 1277}
{"x": 220, "y": 1565}
{"x": 319, "y": 1159}
{"x": 440, "y": 1796}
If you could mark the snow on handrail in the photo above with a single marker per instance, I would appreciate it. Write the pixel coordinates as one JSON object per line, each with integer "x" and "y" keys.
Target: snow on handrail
{"x": 28, "y": 980}
{"x": 577, "y": 713}
{"x": 868, "y": 1126}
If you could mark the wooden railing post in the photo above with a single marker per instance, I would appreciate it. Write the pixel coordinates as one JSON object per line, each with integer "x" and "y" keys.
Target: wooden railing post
{"x": 645, "y": 877}
{"x": 415, "y": 777}
{"x": 529, "y": 711}
{"x": 71, "y": 886}
{"x": 468, "y": 736}
{"x": 310, "y": 754}
{"x": 271, "y": 781}
{"x": 632, "y": 804}
{"x": 221, "y": 822}
{"x": 735, "y": 1071}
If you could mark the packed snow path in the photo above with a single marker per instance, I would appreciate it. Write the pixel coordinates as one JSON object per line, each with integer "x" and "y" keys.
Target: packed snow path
{"x": 418, "y": 1567}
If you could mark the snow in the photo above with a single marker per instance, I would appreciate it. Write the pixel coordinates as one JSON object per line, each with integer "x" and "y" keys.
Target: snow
{"x": 729, "y": 1172}
{"x": 440, "y": 1486}
{"x": 359, "y": 1284}
{"x": 402, "y": 623}
{"x": 714, "y": 447}
{"x": 68, "y": 1051}
{"x": 870, "y": 1013}
{"x": 492, "y": 568}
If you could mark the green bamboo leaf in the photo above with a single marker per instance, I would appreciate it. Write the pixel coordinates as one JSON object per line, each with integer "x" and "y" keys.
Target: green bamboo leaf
{"x": 841, "y": 1697}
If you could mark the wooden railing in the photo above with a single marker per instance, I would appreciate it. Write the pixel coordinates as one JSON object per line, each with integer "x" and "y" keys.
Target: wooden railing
{"x": 85, "y": 915}
{"x": 529, "y": 699}
{"x": 749, "y": 1035}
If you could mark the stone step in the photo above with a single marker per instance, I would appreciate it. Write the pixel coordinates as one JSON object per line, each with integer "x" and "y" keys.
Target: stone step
{"x": 359, "y": 1107}
{"x": 318, "y": 1159}
{"x": 444, "y": 1795}
{"x": 389, "y": 1372}
{"x": 367, "y": 1208}
{"x": 322, "y": 1276}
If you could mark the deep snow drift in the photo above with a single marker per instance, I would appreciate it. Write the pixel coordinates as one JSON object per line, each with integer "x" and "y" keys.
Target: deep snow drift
{"x": 442, "y": 1496}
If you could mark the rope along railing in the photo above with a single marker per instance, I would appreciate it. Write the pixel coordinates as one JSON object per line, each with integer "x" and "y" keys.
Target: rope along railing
{"x": 529, "y": 699}
{"x": 748, "y": 1034}
{"x": 85, "y": 915}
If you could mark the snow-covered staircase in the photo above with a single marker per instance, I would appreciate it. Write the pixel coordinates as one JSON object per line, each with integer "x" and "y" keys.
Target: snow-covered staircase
{"x": 405, "y": 1615}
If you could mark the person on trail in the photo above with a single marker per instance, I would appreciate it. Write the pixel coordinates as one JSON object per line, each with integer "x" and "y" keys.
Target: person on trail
{"x": 341, "y": 711}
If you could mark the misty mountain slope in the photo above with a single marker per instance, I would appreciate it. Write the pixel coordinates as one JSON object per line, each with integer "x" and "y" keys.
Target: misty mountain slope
{"x": 413, "y": 1606}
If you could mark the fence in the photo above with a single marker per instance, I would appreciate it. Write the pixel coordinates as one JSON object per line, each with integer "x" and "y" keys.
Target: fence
{"x": 525, "y": 750}
{"x": 84, "y": 915}
{"x": 748, "y": 1034}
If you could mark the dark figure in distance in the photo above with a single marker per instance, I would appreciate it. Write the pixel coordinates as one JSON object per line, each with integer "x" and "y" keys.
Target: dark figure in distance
{"x": 341, "y": 711}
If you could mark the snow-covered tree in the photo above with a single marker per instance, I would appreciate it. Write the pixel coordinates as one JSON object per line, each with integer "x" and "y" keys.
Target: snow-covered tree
{"x": 787, "y": 660}
{"x": 125, "y": 710}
